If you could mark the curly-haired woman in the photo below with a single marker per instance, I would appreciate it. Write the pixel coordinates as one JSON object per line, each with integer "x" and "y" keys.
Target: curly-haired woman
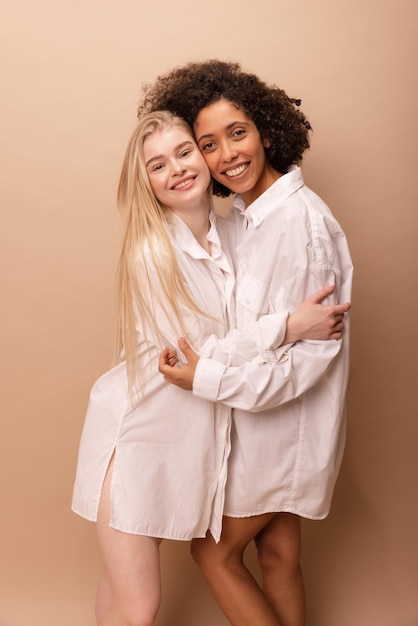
{"x": 286, "y": 457}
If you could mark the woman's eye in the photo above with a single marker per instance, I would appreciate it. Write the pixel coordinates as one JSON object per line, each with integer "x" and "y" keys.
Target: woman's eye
{"x": 157, "y": 167}
{"x": 185, "y": 153}
{"x": 209, "y": 145}
{"x": 239, "y": 132}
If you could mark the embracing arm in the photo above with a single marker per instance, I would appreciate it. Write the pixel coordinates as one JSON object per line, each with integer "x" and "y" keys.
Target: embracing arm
{"x": 310, "y": 321}
{"x": 259, "y": 385}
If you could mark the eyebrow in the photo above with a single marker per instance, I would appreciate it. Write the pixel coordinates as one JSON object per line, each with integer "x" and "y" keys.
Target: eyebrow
{"x": 231, "y": 125}
{"x": 181, "y": 145}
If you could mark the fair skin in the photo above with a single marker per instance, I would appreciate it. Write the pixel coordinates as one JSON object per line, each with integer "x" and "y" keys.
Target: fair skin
{"x": 129, "y": 592}
{"x": 180, "y": 178}
{"x": 234, "y": 152}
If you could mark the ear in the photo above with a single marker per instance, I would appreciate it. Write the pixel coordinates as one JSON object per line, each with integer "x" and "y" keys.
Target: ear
{"x": 266, "y": 142}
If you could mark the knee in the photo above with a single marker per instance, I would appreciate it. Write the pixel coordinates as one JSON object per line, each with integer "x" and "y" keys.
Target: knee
{"x": 200, "y": 552}
{"x": 135, "y": 613}
{"x": 138, "y": 619}
{"x": 279, "y": 544}
{"x": 211, "y": 557}
{"x": 146, "y": 618}
{"x": 273, "y": 555}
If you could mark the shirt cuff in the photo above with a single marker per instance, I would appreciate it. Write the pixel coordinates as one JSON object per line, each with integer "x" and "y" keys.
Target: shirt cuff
{"x": 207, "y": 379}
{"x": 271, "y": 331}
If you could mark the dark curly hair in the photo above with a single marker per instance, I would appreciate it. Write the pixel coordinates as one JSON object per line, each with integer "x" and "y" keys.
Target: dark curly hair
{"x": 186, "y": 90}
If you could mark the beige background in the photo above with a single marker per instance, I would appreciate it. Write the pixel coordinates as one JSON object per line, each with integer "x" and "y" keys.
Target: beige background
{"x": 70, "y": 83}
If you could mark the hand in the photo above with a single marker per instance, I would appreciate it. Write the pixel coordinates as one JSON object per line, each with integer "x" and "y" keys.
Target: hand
{"x": 313, "y": 320}
{"x": 181, "y": 375}
{"x": 170, "y": 357}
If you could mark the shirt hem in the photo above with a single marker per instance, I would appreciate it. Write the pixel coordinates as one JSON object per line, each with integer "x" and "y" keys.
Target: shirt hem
{"x": 284, "y": 509}
{"x": 158, "y": 534}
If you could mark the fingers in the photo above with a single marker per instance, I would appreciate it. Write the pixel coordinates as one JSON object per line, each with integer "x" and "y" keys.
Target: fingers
{"x": 337, "y": 330}
{"x": 337, "y": 319}
{"x": 188, "y": 351}
{"x": 172, "y": 358}
{"x": 162, "y": 361}
{"x": 181, "y": 376}
{"x": 163, "y": 357}
{"x": 167, "y": 358}
{"x": 183, "y": 345}
{"x": 167, "y": 370}
{"x": 324, "y": 292}
{"x": 342, "y": 308}
{"x": 321, "y": 294}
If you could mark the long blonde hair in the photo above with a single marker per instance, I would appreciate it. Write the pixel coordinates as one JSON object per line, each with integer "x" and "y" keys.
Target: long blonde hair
{"x": 145, "y": 240}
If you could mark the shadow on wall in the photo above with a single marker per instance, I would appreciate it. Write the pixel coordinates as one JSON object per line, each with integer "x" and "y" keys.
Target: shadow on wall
{"x": 343, "y": 551}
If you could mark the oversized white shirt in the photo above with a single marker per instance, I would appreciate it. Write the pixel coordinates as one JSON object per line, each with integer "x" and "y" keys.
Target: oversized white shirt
{"x": 170, "y": 447}
{"x": 288, "y": 428}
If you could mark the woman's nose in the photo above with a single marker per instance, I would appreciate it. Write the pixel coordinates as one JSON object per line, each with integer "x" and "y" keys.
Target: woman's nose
{"x": 229, "y": 152}
{"x": 177, "y": 167}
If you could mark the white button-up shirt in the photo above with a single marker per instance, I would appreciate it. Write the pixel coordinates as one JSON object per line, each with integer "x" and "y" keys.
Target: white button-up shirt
{"x": 170, "y": 447}
{"x": 288, "y": 428}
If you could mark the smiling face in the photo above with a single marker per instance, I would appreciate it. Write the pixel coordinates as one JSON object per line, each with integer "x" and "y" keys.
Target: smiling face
{"x": 177, "y": 170}
{"x": 233, "y": 150}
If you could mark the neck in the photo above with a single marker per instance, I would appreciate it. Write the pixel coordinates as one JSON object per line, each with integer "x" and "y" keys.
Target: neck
{"x": 197, "y": 219}
{"x": 267, "y": 178}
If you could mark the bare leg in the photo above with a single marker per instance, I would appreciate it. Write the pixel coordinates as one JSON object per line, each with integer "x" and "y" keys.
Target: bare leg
{"x": 236, "y": 591}
{"x": 279, "y": 551}
{"x": 104, "y": 597}
{"x": 129, "y": 593}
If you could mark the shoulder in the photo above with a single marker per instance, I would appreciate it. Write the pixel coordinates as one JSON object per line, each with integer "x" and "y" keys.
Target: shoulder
{"x": 304, "y": 210}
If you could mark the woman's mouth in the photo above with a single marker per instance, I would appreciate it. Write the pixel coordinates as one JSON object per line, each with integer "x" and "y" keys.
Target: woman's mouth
{"x": 184, "y": 183}
{"x": 236, "y": 171}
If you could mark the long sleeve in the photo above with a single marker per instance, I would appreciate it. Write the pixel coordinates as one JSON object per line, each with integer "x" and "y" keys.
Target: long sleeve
{"x": 261, "y": 338}
{"x": 259, "y": 383}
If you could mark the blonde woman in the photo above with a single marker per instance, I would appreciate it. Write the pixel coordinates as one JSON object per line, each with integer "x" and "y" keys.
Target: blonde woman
{"x": 152, "y": 459}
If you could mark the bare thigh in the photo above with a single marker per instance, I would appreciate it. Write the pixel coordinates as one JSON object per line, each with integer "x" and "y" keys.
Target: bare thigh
{"x": 132, "y": 562}
{"x": 237, "y": 533}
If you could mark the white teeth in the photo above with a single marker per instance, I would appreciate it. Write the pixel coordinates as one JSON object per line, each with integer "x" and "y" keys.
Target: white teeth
{"x": 183, "y": 184}
{"x": 236, "y": 171}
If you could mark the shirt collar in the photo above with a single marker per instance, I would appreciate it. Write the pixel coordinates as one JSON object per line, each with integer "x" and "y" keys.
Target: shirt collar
{"x": 280, "y": 190}
{"x": 183, "y": 236}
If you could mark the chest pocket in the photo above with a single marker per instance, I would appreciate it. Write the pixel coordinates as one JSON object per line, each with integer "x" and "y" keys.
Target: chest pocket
{"x": 251, "y": 294}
